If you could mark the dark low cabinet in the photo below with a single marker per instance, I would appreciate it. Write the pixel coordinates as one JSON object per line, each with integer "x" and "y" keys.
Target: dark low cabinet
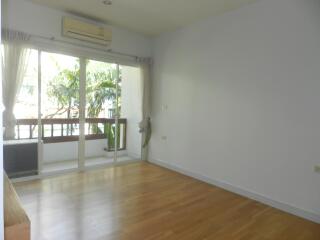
{"x": 20, "y": 158}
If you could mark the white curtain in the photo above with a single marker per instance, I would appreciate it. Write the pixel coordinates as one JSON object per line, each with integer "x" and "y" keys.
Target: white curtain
{"x": 145, "y": 124}
{"x": 15, "y": 57}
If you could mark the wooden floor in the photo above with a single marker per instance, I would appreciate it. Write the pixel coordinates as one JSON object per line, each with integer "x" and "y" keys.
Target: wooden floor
{"x": 143, "y": 201}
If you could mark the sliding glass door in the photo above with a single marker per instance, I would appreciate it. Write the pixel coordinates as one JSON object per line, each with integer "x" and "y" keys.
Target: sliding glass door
{"x": 113, "y": 112}
{"x": 75, "y": 112}
{"x": 60, "y": 81}
{"x": 101, "y": 112}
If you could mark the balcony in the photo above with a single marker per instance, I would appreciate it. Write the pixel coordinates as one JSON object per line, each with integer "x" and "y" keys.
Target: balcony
{"x": 67, "y": 130}
{"x": 59, "y": 148}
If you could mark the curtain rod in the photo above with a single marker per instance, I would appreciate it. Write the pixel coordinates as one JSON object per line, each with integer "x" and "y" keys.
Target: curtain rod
{"x": 109, "y": 50}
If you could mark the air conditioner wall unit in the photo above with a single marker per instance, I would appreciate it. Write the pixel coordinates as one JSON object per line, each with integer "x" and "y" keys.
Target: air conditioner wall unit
{"x": 84, "y": 31}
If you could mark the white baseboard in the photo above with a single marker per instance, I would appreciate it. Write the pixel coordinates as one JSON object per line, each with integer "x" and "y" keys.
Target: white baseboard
{"x": 243, "y": 192}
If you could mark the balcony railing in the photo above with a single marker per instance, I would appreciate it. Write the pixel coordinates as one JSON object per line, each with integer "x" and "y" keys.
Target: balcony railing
{"x": 67, "y": 130}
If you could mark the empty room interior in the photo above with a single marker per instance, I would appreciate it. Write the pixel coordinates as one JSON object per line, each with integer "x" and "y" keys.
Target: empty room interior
{"x": 160, "y": 120}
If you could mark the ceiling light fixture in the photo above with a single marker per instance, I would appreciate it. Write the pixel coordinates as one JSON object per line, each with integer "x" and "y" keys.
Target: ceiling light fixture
{"x": 107, "y": 2}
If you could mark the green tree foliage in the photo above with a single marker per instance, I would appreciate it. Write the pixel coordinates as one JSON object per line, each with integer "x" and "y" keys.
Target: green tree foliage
{"x": 101, "y": 81}
{"x": 100, "y": 86}
{"x": 64, "y": 91}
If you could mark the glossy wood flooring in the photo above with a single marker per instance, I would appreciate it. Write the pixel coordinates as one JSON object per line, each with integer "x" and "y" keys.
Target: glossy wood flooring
{"x": 143, "y": 201}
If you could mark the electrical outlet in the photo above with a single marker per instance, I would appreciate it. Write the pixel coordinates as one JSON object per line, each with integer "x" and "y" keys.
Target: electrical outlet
{"x": 317, "y": 169}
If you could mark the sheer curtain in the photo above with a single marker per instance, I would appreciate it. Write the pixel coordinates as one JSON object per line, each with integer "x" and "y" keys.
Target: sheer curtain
{"x": 145, "y": 124}
{"x": 15, "y": 57}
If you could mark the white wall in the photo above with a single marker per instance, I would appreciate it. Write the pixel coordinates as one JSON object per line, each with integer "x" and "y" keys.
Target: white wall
{"x": 54, "y": 152}
{"x": 32, "y": 18}
{"x": 131, "y": 108}
{"x": 243, "y": 100}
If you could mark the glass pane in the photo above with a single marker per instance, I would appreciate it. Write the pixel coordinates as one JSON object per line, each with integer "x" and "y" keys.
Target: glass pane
{"x": 130, "y": 114}
{"x": 60, "y": 111}
{"x": 101, "y": 79}
{"x": 60, "y": 86}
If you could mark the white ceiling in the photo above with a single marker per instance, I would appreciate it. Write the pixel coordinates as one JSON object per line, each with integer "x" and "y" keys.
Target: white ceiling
{"x": 151, "y": 17}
